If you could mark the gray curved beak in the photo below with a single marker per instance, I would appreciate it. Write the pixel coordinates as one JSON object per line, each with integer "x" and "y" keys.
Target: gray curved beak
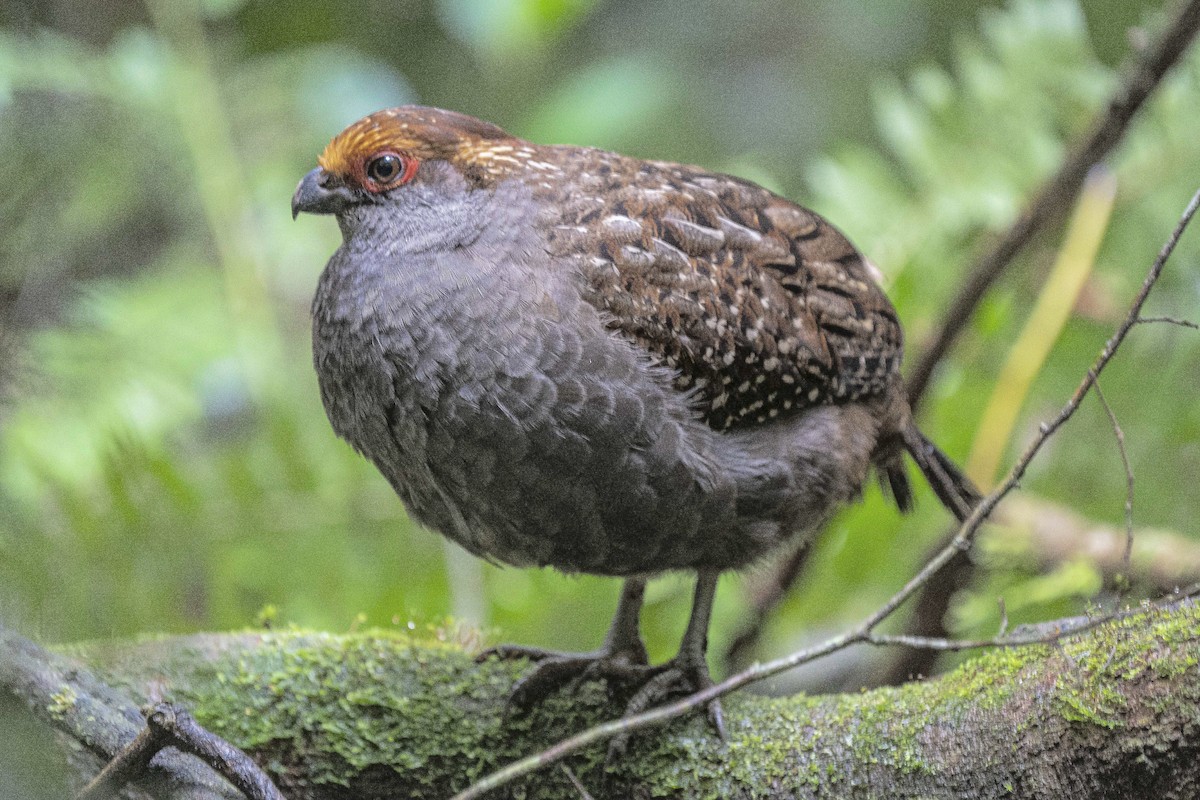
{"x": 319, "y": 194}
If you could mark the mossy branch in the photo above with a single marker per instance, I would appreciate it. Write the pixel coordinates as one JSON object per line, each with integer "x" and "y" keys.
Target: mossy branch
{"x": 1112, "y": 713}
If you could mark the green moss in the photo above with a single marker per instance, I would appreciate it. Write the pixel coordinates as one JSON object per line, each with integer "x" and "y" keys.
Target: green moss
{"x": 786, "y": 741}
{"x": 1180, "y": 653}
{"x": 1078, "y": 699}
{"x": 351, "y": 703}
{"x": 331, "y": 709}
{"x": 61, "y": 703}
{"x": 887, "y": 727}
{"x": 1090, "y": 689}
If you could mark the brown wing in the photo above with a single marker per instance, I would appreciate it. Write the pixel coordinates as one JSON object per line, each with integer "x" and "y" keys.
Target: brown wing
{"x": 761, "y": 306}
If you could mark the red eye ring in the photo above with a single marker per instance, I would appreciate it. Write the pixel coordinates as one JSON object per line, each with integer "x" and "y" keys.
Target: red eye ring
{"x": 388, "y": 170}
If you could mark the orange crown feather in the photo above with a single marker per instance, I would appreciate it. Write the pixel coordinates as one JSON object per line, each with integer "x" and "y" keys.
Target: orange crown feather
{"x": 425, "y": 134}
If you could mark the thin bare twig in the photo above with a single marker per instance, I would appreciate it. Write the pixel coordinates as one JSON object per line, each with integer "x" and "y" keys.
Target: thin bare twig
{"x": 1170, "y": 321}
{"x": 101, "y": 719}
{"x": 584, "y": 794}
{"x": 1022, "y": 638}
{"x": 770, "y": 593}
{"x": 1056, "y": 195}
{"x": 127, "y": 765}
{"x": 169, "y": 725}
{"x": 1120, "y": 437}
{"x": 864, "y": 632}
{"x": 928, "y": 615}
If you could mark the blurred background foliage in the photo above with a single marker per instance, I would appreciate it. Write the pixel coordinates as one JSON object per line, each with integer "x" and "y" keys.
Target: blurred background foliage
{"x": 165, "y": 465}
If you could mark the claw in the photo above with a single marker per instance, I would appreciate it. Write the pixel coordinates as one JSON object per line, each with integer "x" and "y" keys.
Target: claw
{"x": 553, "y": 669}
{"x": 678, "y": 677}
{"x": 716, "y": 718}
{"x": 551, "y": 674}
{"x": 511, "y": 652}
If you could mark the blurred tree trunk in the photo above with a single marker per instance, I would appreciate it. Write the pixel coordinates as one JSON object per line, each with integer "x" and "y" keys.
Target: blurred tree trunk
{"x": 1111, "y": 713}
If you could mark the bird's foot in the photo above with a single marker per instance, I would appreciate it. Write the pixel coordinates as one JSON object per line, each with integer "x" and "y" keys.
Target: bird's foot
{"x": 681, "y": 676}
{"x": 621, "y": 669}
{"x": 618, "y": 666}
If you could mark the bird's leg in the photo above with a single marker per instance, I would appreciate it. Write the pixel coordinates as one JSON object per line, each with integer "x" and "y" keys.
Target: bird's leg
{"x": 687, "y": 672}
{"x": 624, "y": 637}
{"x": 622, "y": 657}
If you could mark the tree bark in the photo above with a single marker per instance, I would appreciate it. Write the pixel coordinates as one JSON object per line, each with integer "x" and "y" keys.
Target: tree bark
{"x": 1110, "y": 713}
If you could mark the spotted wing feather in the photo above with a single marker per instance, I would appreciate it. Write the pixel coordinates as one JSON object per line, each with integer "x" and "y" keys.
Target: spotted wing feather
{"x": 760, "y": 306}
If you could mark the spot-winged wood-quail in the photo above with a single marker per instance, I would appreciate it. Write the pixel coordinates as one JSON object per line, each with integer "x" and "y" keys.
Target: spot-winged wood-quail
{"x": 563, "y": 356}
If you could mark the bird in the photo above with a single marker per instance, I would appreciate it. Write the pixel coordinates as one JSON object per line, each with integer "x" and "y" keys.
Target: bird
{"x": 562, "y": 356}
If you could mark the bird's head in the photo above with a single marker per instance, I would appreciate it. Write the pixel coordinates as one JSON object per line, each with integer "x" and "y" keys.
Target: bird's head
{"x": 405, "y": 160}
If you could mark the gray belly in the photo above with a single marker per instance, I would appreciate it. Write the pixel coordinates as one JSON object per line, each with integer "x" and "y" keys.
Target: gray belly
{"x": 525, "y": 440}
{"x": 510, "y": 420}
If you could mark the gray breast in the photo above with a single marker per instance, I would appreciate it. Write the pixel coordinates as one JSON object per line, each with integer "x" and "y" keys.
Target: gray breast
{"x": 510, "y": 419}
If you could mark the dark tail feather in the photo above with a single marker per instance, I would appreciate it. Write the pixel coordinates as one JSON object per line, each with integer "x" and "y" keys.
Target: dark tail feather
{"x": 894, "y": 478}
{"x": 951, "y": 486}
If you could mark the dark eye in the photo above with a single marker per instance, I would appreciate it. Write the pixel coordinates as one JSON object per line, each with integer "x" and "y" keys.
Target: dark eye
{"x": 385, "y": 168}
